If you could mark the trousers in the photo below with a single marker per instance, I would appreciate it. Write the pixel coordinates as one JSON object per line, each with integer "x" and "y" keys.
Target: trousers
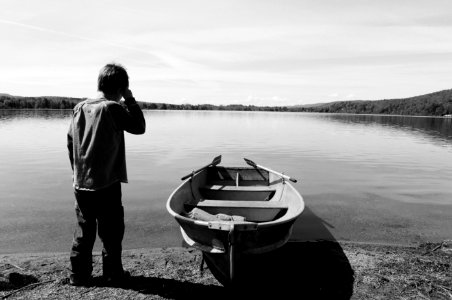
{"x": 100, "y": 211}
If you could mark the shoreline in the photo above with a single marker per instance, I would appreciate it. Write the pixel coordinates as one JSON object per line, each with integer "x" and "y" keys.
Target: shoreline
{"x": 247, "y": 111}
{"x": 319, "y": 270}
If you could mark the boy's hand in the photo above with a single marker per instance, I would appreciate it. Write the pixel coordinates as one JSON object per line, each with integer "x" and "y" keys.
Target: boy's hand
{"x": 127, "y": 94}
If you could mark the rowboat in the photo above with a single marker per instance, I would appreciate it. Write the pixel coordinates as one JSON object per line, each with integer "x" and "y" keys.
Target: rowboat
{"x": 228, "y": 212}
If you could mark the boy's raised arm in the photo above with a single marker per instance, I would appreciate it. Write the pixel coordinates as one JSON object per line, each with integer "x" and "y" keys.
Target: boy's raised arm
{"x": 70, "y": 146}
{"x": 130, "y": 119}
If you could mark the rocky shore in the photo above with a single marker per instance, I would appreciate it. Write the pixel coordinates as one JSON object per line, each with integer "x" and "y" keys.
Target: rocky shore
{"x": 311, "y": 270}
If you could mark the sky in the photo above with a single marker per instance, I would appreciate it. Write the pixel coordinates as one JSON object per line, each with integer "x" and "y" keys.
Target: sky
{"x": 261, "y": 52}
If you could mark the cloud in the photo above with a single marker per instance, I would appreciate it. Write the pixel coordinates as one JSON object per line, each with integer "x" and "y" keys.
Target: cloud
{"x": 78, "y": 37}
{"x": 223, "y": 52}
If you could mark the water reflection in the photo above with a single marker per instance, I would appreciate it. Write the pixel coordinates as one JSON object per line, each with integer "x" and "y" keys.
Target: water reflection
{"x": 437, "y": 129}
{"x": 310, "y": 227}
{"x": 370, "y": 169}
{"x": 33, "y": 113}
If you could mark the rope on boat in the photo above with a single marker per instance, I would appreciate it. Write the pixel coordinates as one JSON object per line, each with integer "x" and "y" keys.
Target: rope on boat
{"x": 231, "y": 242}
{"x": 282, "y": 192}
{"x": 201, "y": 267}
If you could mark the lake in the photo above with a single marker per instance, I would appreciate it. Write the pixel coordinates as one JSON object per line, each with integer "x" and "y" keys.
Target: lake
{"x": 364, "y": 178}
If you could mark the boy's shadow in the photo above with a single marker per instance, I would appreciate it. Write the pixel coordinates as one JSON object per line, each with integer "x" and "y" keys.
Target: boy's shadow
{"x": 169, "y": 288}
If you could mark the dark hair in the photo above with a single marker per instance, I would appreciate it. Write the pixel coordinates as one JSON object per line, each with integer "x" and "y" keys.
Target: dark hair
{"x": 112, "y": 77}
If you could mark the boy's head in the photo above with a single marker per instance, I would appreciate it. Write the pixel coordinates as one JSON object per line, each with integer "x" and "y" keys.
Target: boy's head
{"x": 112, "y": 79}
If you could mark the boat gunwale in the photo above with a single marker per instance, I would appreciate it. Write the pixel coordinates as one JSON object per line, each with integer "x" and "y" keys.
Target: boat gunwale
{"x": 280, "y": 220}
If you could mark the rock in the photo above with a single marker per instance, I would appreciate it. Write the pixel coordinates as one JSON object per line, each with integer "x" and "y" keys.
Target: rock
{"x": 447, "y": 246}
{"x": 18, "y": 279}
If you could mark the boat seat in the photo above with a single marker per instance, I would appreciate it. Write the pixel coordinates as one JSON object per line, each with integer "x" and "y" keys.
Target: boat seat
{"x": 252, "y": 211}
{"x": 233, "y": 182}
{"x": 254, "y": 188}
{"x": 230, "y": 193}
{"x": 241, "y": 204}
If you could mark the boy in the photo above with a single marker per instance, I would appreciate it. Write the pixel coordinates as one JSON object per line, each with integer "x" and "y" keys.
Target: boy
{"x": 97, "y": 154}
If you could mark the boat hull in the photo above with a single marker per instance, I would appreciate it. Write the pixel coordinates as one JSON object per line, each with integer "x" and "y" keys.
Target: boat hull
{"x": 266, "y": 205}
{"x": 251, "y": 240}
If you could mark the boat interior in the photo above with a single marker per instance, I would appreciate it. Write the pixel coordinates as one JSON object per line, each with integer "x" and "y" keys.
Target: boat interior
{"x": 253, "y": 194}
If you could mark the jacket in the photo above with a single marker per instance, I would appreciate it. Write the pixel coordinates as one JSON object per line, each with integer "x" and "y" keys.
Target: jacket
{"x": 95, "y": 141}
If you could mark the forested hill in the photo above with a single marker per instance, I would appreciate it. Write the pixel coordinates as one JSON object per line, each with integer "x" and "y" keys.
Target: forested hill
{"x": 434, "y": 104}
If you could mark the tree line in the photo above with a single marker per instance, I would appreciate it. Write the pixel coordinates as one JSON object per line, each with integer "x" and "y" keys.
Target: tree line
{"x": 233, "y": 107}
{"x": 18, "y": 102}
{"x": 434, "y": 104}
{"x": 51, "y": 102}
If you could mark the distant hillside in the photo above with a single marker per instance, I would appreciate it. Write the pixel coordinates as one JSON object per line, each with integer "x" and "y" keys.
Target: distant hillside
{"x": 434, "y": 104}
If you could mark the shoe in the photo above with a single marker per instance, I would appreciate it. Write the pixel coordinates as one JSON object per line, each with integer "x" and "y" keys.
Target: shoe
{"x": 117, "y": 279}
{"x": 77, "y": 280}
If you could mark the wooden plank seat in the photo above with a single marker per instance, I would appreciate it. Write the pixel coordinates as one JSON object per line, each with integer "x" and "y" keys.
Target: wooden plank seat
{"x": 241, "y": 204}
{"x": 253, "y": 211}
{"x": 233, "y": 182}
{"x": 257, "y": 188}
{"x": 221, "y": 192}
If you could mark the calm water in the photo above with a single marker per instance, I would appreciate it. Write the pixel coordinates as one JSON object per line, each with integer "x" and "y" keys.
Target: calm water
{"x": 382, "y": 179}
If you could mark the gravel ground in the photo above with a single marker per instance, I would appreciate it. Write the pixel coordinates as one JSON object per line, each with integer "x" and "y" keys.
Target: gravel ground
{"x": 311, "y": 270}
